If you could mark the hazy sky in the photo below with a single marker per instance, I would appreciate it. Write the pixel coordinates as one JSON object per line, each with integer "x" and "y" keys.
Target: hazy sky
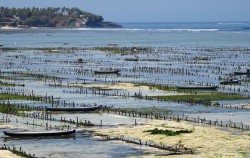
{"x": 151, "y": 10}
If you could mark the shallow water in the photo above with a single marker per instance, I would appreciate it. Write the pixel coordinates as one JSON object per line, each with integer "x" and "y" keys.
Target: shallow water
{"x": 170, "y": 61}
{"x": 81, "y": 144}
{"x": 77, "y": 146}
{"x": 232, "y": 116}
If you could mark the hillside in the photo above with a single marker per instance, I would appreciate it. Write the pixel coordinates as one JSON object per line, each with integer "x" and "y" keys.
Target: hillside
{"x": 52, "y": 17}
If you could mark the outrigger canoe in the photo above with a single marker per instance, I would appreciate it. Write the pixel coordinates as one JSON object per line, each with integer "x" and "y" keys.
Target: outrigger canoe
{"x": 83, "y": 109}
{"x": 39, "y": 134}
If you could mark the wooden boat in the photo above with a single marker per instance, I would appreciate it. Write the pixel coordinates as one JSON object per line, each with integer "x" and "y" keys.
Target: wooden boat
{"x": 230, "y": 81}
{"x": 198, "y": 87}
{"x": 242, "y": 73}
{"x": 16, "y": 138}
{"x": 200, "y": 58}
{"x": 83, "y": 109}
{"x": 107, "y": 72}
{"x": 136, "y": 58}
{"x": 39, "y": 134}
{"x": 132, "y": 59}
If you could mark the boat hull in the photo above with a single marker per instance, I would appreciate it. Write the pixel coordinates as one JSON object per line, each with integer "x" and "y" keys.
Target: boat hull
{"x": 83, "y": 109}
{"x": 198, "y": 87}
{"x": 107, "y": 72}
{"x": 242, "y": 73}
{"x": 39, "y": 134}
{"x": 230, "y": 82}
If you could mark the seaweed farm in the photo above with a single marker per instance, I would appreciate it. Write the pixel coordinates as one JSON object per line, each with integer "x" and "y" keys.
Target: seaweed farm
{"x": 114, "y": 94}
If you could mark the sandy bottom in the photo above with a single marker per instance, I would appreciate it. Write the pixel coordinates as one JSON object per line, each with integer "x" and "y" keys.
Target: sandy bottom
{"x": 207, "y": 142}
{"x": 9, "y": 126}
{"x": 129, "y": 87}
{"x": 7, "y": 154}
{"x": 9, "y": 28}
{"x": 119, "y": 86}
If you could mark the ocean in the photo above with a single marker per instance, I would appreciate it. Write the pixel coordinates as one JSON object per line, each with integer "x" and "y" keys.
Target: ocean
{"x": 234, "y": 34}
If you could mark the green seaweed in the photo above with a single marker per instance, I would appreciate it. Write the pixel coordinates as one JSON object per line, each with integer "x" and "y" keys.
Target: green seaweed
{"x": 167, "y": 132}
{"x": 144, "y": 110}
{"x": 205, "y": 99}
{"x": 4, "y": 96}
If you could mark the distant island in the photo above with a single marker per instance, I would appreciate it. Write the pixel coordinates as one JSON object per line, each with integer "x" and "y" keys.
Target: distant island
{"x": 52, "y": 17}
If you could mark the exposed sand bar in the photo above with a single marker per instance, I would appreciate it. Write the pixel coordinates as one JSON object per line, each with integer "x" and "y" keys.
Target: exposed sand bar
{"x": 9, "y": 28}
{"x": 245, "y": 105}
{"x": 7, "y": 154}
{"x": 130, "y": 87}
{"x": 205, "y": 141}
{"x": 119, "y": 86}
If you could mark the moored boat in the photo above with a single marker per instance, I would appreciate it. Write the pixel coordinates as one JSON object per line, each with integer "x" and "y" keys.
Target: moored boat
{"x": 82, "y": 109}
{"x": 39, "y": 134}
{"x": 230, "y": 81}
{"x": 198, "y": 87}
{"x": 242, "y": 73}
{"x": 107, "y": 71}
{"x": 200, "y": 58}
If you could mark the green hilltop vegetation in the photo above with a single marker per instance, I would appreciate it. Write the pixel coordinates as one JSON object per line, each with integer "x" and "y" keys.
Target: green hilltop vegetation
{"x": 51, "y": 17}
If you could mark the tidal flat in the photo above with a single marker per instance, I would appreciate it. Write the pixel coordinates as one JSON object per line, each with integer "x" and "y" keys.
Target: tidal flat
{"x": 144, "y": 95}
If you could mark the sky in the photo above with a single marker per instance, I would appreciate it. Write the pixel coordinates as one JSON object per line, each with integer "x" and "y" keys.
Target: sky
{"x": 151, "y": 10}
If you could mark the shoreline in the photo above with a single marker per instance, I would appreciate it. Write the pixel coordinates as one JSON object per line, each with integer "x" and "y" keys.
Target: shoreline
{"x": 56, "y": 28}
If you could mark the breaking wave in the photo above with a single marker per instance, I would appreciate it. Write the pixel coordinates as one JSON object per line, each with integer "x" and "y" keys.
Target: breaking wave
{"x": 151, "y": 30}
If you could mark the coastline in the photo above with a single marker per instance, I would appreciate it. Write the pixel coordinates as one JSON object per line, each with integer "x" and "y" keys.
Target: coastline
{"x": 103, "y": 25}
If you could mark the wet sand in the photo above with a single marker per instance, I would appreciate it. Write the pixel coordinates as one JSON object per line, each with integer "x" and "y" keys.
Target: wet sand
{"x": 204, "y": 141}
{"x": 121, "y": 86}
{"x": 245, "y": 105}
{"x": 9, "y": 28}
{"x": 7, "y": 154}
